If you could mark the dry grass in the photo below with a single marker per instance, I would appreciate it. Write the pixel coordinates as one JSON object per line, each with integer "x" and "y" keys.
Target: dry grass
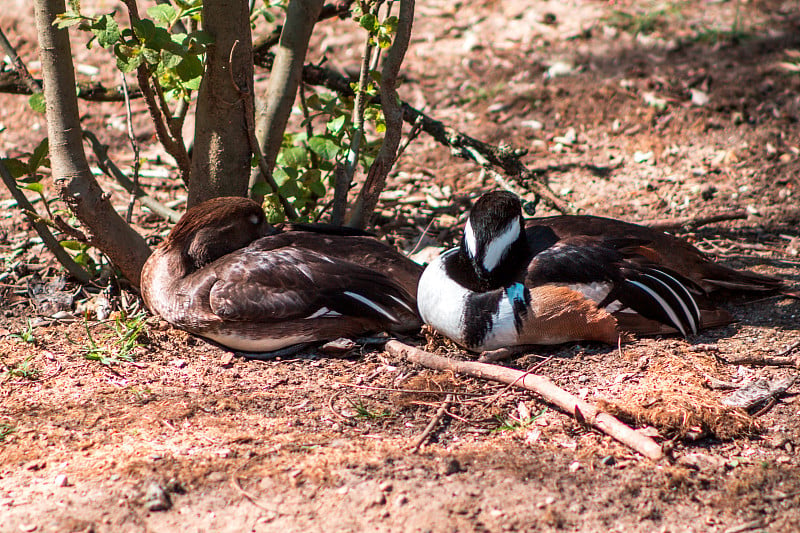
{"x": 672, "y": 398}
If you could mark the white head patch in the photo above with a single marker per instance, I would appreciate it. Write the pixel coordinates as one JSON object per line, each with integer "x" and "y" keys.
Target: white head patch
{"x": 499, "y": 245}
{"x": 470, "y": 240}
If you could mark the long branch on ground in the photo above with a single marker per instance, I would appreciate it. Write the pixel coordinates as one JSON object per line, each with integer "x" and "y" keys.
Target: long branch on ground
{"x": 581, "y": 410}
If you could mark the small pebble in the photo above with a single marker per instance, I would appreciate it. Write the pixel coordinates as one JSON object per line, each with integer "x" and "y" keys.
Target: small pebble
{"x": 156, "y": 498}
{"x": 61, "y": 480}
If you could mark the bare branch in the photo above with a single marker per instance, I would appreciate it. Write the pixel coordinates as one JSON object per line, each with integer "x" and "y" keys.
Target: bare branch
{"x": 262, "y": 45}
{"x": 344, "y": 178}
{"x": 110, "y": 169}
{"x": 171, "y": 139}
{"x": 247, "y": 95}
{"x": 393, "y": 114}
{"x": 75, "y": 270}
{"x": 284, "y": 79}
{"x": 134, "y": 146}
{"x": 33, "y": 85}
{"x": 581, "y": 410}
{"x": 77, "y": 187}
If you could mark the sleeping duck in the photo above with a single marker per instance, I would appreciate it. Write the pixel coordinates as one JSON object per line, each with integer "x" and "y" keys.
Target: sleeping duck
{"x": 570, "y": 278}
{"x": 225, "y": 274}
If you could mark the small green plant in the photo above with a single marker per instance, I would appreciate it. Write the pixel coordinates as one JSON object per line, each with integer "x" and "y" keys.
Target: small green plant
{"x": 714, "y": 35}
{"x": 118, "y": 345}
{"x": 26, "y": 335}
{"x": 365, "y": 413}
{"x": 514, "y": 423}
{"x": 6, "y": 429}
{"x": 22, "y": 370}
{"x": 644, "y": 22}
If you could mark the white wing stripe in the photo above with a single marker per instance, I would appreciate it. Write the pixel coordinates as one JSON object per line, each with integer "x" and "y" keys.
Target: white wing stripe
{"x": 695, "y": 325}
{"x": 401, "y": 302}
{"x": 664, "y": 305}
{"x": 370, "y": 303}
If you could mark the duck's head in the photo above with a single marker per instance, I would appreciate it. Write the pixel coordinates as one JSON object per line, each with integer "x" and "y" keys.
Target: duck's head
{"x": 494, "y": 237}
{"x": 215, "y": 228}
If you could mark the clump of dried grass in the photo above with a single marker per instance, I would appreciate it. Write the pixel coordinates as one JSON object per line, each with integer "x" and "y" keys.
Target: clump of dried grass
{"x": 672, "y": 398}
{"x": 431, "y": 387}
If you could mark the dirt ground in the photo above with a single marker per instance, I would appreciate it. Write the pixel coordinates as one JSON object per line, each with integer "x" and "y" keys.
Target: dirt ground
{"x": 639, "y": 110}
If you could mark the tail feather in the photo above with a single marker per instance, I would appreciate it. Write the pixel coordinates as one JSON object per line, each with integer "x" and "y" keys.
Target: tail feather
{"x": 636, "y": 324}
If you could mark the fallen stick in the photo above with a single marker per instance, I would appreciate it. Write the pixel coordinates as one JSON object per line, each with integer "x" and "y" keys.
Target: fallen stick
{"x": 671, "y": 224}
{"x": 432, "y": 424}
{"x": 581, "y": 410}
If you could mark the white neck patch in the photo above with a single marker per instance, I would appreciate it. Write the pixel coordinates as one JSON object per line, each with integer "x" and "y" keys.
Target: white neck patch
{"x": 469, "y": 239}
{"x": 498, "y": 246}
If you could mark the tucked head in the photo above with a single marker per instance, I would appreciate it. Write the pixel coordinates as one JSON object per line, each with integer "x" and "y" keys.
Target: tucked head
{"x": 215, "y": 228}
{"x": 494, "y": 226}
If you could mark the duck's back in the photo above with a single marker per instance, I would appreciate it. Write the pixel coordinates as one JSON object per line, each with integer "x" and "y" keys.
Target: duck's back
{"x": 648, "y": 245}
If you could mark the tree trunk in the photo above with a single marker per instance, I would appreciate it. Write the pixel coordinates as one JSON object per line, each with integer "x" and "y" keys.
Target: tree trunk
{"x": 284, "y": 79}
{"x": 77, "y": 187}
{"x": 221, "y": 155}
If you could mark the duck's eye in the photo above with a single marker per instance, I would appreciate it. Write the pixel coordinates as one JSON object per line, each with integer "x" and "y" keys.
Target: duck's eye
{"x": 253, "y": 219}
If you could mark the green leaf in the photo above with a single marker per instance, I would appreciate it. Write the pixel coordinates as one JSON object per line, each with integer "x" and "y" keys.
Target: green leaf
{"x": 106, "y": 30}
{"x": 151, "y": 55}
{"x": 35, "y": 187}
{"x": 294, "y": 157}
{"x": 16, "y": 167}
{"x": 127, "y": 61}
{"x": 65, "y": 20}
{"x": 201, "y": 37}
{"x": 335, "y": 125}
{"x": 384, "y": 41}
{"x": 324, "y": 146}
{"x": 369, "y": 22}
{"x": 170, "y": 60}
{"x": 261, "y": 188}
{"x": 390, "y": 24}
{"x": 163, "y": 13}
{"x": 39, "y": 156}
{"x": 190, "y": 68}
{"x": 73, "y": 245}
{"x": 37, "y": 103}
{"x": 144, "y": 29}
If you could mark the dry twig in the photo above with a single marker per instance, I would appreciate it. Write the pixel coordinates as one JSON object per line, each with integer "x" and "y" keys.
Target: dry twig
{"x": 686, "y": 223}
{"x": 432, "y": 424}
{"x": 582, "y": 410}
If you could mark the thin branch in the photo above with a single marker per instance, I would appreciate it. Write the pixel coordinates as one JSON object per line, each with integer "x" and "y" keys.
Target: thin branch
{"x": 249, "y": 113}
{"x": 162, "y": 119}
{"x": 284, "y": 79}
{"x": 448, "y": 400}
{"x": 33, "y": 85}
{"x": 582, "y": 410}
{"x": 689, "y": 223}
{"x": 134, "y": 146}
{"x": 393, "y": 114}
{"x": 351, "y": 161}
{"x": 112, "y": 170}
{"x": 41, "y": 228}
{"x": 262, "y": 45}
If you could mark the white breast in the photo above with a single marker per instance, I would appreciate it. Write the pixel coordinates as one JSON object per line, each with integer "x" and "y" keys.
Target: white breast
{"x": 441, "y": 300}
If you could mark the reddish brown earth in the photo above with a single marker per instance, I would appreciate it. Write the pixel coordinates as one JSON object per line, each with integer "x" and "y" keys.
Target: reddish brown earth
{"x": 684, "y": 120}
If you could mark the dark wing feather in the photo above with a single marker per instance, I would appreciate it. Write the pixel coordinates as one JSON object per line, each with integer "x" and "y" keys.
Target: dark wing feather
{"x": 574, "y": 260}
{"x": 293, "y": 283}
{"x": 652, "y": 291}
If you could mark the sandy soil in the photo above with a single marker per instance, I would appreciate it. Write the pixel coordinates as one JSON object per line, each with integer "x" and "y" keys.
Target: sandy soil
{"x": 641, "y": 111}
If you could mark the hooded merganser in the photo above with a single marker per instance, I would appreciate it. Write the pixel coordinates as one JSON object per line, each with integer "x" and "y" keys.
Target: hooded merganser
{"x": 227, "y": 275}
{"x": 569, "y": 278}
